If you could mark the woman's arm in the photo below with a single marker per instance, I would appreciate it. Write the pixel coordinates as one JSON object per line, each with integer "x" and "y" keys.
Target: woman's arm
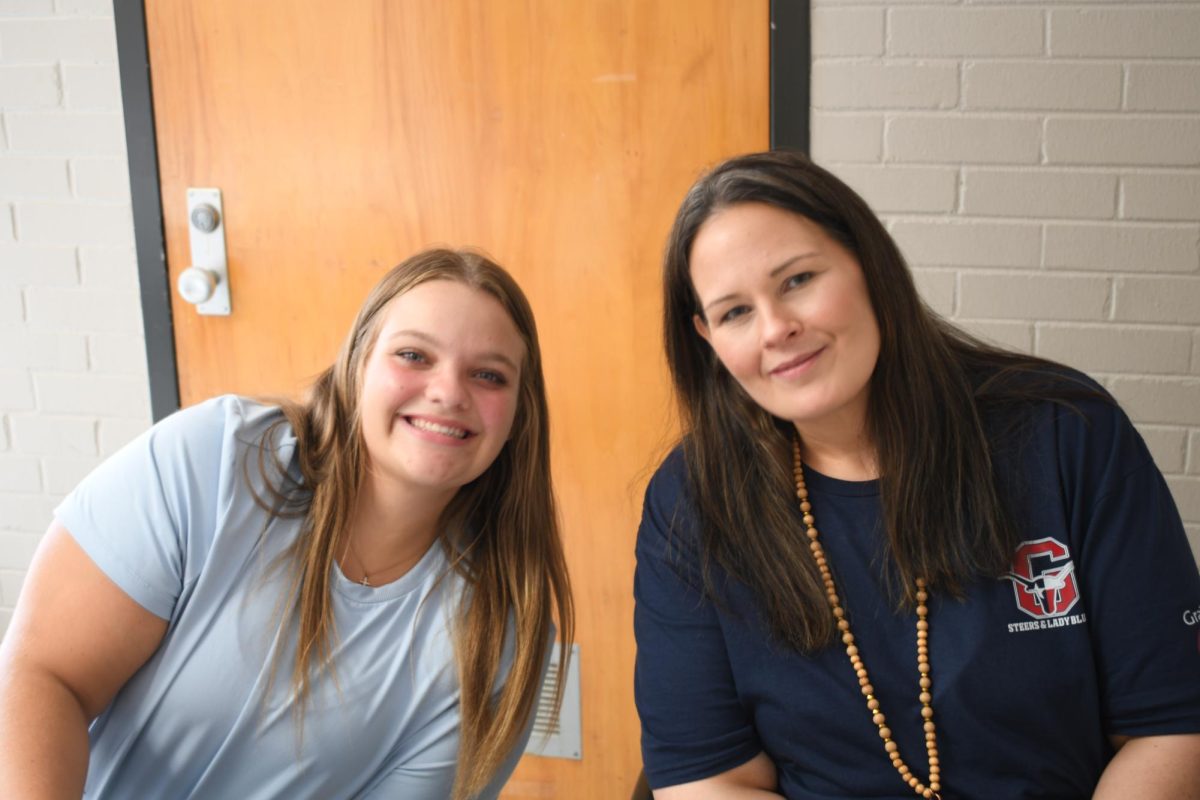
{"x": 1152, "y": 768}
{"x": 74, "y": 640}
{"x": 754, "y": 780}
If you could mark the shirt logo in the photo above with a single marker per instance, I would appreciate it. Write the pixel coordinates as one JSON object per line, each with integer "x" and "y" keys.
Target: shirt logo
{"x": 1043, "y": 578}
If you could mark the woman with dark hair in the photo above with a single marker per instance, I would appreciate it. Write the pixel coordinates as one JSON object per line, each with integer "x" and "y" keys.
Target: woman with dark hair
{"x": 350, "y": 596}
{"x": 888, "y": 560}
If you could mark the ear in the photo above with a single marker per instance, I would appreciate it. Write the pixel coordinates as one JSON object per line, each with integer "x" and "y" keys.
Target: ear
{"x": 702, "y": 328}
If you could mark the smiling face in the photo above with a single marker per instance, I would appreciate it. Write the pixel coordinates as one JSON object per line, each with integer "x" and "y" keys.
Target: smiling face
{"x": 439, "y": 388}
{"x": 786, "y": 310}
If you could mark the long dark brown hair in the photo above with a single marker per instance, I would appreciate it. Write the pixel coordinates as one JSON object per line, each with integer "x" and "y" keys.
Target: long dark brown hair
{"x": 944, "y": 516}
{"x": 500, "y": 531}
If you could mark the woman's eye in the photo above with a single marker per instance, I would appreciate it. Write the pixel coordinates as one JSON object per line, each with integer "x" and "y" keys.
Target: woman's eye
{"x": 734, "y": 313}
{"x": 411, "y": 356}
{"x": 492, "y": 377}
{"x": 799, "y": 279}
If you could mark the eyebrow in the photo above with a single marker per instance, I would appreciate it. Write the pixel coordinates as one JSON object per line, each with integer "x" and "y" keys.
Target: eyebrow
{"x": 725, "y": 297}
{"x": 492, "y": 355}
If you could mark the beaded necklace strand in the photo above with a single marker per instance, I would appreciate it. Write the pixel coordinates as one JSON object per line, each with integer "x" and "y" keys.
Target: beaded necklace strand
{"x": 860, "y": 669}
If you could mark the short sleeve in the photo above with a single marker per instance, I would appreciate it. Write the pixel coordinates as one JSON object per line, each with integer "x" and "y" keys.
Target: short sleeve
{"x": 137, "y": 513}
{"x": 1139, "y": 580}
{"x": 693, "y": 723}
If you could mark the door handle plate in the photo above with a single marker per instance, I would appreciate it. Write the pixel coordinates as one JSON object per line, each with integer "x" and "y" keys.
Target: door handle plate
{"x": 206, "y": 232}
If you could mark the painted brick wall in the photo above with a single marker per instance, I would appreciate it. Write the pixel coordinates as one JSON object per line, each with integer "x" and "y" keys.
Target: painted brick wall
{"x": 1039, "y": 163}
{"x": 73, "y": 384}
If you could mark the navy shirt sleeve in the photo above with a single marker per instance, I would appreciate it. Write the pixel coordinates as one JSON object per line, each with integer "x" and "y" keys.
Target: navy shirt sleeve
{"x": 693, "y": 723}
{"x": 1138, "y": 577}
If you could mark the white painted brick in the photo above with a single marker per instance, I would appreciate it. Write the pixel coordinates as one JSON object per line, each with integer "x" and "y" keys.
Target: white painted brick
{"x": 5, "y": 442}
{"x": 22, "y": 347}
{"x": 68, "y": 133}
{"x": 34, "y": 177}
{"x": 85, "y": 310}
{"x": 1173, "y": 401}
{"x": 1157, "y": 299}
{"x": 1186, "y": 492}
{"x": 104, "y": 395}
{"x": 846, "y": 137}
{"x": 1163, "y": 87}
{"x": 23, "y": 264}
{"x": 100, "y": 178}
{"x": 1039, "y": 193}
{"x": 16, "y": 392}
{"x": 1030, "y": 85}
{"x": 16, "y": 549}
{"x": 1123, "y": 140}
{"x": 877, "y": 2}
{"x": 1167, "y": 445}
{"x": 63, "y": 474}
{"x": 903, "y": 189}
{"x": 116, "y": 433}
{"x": 92, "y": 86}
{"x": 1125, "y": 32}
{"x": 984, "y": 295}
{"x": 90, "y": 8}
{"x": 25, "y": 512}
{"x": 1160, "y": 196}
{"x": 956, "y": 242}
{"x": 933, "y": 32}
{"x": 12, "y": 306}
{"x": 936, "y": 287}
{"x": 862, "y": 86}
{"x": 942, "y": 139}
{"x": 1193, "y": 458}
{"x": 82, "y": 223}
{"x": 10, "y": 586}
{"x": 26, "y": 8}
{"x": 40, "y": 434}
{"x": 19, "y": 473}
{"x": 67, "y": 40}
{"x": 1012, "y": 335}
{"x": 1123, "y": 248}
{"x": 6, "y": 227}
{"x": 125, "y": 354}
{"x": 29, "y": 86}
{"x": 108, "y": 267}
{"x": 847, "y": 31}
{"x": 1116, "y": 348}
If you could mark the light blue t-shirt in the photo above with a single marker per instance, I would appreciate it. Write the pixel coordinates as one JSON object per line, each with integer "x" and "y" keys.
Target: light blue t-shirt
{"x": 171, "y": 521}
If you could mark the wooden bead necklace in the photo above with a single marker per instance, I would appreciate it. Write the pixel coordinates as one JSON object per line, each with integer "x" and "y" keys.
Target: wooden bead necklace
{"x": 885, "y": 733}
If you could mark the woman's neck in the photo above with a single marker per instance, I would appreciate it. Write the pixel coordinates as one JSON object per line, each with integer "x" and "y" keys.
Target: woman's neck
{"x": 847, "y": 454}
{"x": 391, "y": 530}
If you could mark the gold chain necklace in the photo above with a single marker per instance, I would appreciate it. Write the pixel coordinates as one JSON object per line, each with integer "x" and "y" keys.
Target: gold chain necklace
{"x": 860, "y": 669}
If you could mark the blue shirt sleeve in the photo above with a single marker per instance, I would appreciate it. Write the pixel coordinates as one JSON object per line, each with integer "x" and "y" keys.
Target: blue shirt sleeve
{"x": 142, "y": 514}
{"x": 1139, "y": 578}
{"x": 694, "y": 725}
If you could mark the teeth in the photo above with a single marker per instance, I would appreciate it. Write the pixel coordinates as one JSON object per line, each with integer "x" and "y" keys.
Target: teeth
{"x": 445, "y": 430}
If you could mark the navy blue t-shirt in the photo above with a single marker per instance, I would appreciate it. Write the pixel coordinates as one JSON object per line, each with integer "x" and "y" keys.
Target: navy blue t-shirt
{"x": 1087, "y": 636}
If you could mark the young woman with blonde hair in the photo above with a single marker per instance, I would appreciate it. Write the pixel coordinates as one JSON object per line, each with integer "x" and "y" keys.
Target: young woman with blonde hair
{"x": 350, "y": 596}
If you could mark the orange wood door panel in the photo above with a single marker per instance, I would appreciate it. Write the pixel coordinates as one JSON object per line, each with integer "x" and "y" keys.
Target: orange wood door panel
{"x": 557, "y": 135}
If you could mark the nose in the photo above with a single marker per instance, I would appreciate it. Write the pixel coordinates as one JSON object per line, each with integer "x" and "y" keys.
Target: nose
{"x": 447, "y": 389}
{"x": 778, "y": 325}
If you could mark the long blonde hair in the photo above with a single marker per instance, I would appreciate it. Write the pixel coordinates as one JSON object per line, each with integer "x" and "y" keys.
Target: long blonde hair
{"x": 501, "y": 531}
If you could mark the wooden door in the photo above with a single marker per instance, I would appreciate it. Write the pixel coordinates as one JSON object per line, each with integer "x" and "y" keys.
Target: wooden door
{"x": 557, "y": 135}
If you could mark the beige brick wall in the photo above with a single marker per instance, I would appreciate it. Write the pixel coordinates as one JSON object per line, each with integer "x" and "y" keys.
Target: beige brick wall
{"x": 73, "y": 384}
{"x": 1039, "y": 164}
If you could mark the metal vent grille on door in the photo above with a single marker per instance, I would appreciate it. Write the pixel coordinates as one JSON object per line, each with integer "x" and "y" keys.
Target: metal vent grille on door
{"x": 561, "y": 738}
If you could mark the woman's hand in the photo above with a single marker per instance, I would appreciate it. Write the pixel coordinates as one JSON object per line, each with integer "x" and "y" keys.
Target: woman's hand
{"x": 754, "y": 779}
{"x": 74, "y": 640}
{"x": 1152, "y": 767}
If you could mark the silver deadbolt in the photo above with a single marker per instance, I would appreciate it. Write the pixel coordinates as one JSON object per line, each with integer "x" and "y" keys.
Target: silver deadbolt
{"x": 205, "y": 284}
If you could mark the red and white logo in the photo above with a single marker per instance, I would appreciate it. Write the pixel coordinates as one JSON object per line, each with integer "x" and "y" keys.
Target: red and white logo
{"x": 1043, "y": 577}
